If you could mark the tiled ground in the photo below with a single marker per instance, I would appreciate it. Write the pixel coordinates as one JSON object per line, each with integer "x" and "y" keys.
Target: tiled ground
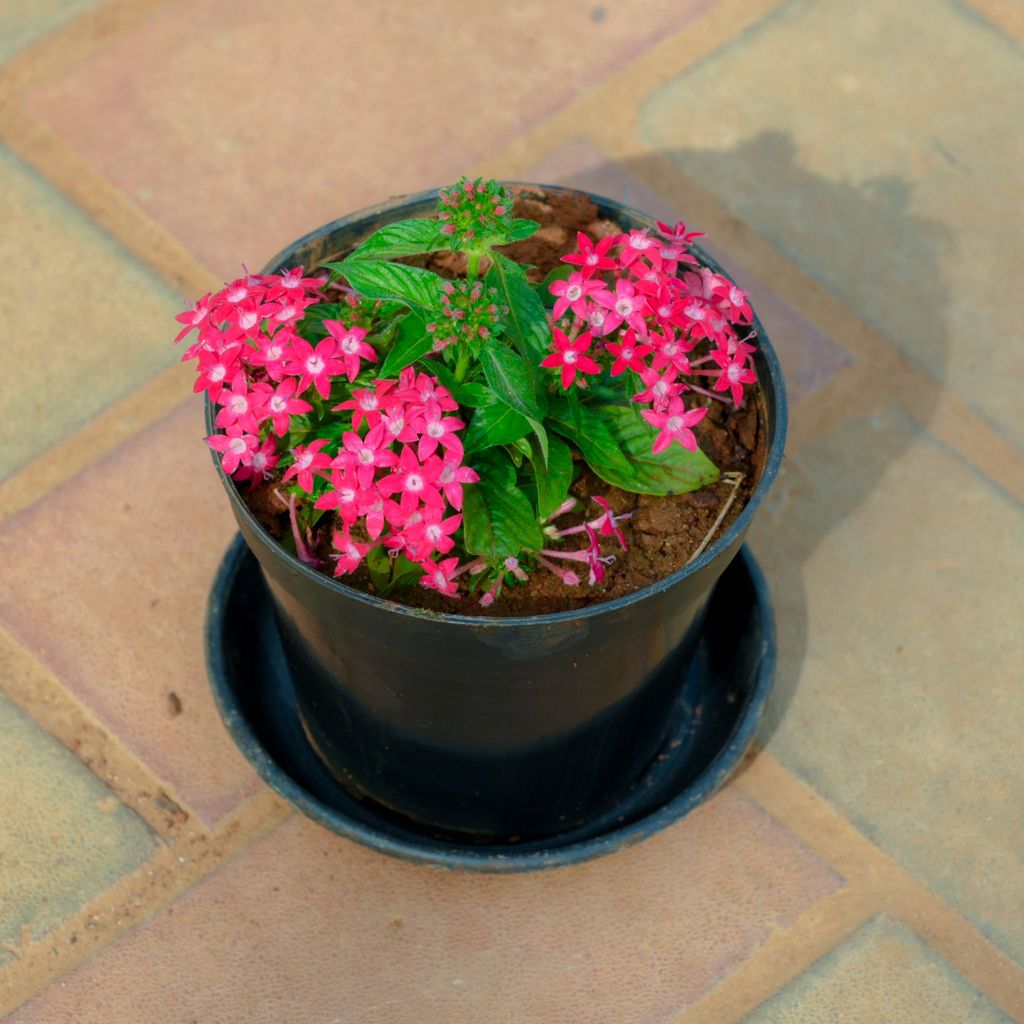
{"x": 856, "y": 165}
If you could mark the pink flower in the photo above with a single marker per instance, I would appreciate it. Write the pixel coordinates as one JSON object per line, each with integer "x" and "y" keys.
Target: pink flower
{"x": 637, "y": 244}
{"x": 194, "y": 317}
{"x": 659, "y": 388}
{"x": 450, "y": 480}
{"x": 291, "y": 281}
{"x": 624, "y": 305}
{"x": 348, "y": 554}
{"x": 734, "y": 374}
{"x": 436, "y": 429}
{"x": 441, "y": 577}
{"x": 234, "y": 446}
{"x": 315, "y": 366}
{"x": 431, "y": 532}
{"x": 416, "y": 482}
{"x": 674, "y": 425}
{"x": 263, "y": 461}
{"x": 368, "y": 403}
{"x": 309, "y": 460}
{"x": 214, "y": 369}
{"x": 679, "y": 235}
{"x": 628, "y": 354}
{"x": 365, "y": 454}
{"x": 239, "y": 405}
{"x": 281, "y": 405}
{"x": 592, "y": 258}
{"x": 572, "y": 294}
{"x": 272, "y": 353}
{"x": 424, "y": 388}
{"x": 351, "y": 347}
{"x": 344, "y": 496}
{"x": 569, "y": 355}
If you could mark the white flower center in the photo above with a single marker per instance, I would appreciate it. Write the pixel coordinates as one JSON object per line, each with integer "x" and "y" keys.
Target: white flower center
{"x": 573, "y": 292}
{"x": 640, "y": 242}
{"x": 624, "y": 307}
{"x": 247, "y": 320}
{"x": 439, "y": 579}
{"x": 597, "y": 318}
{"x": 436, "y": 429}
{"x": 218, "y": 373}
{"x": 304, "y": 460}
{"x": 238, "y": 404}
{"x": 365, "y": 456}
{"x": 368, "y": 403}
{"x": 350, "y": 346}
{"x": 315, "y": 365}
{"x": 396, "y": 425}
{"x": 660, "y": 389}
{"x": 237, "y": 294}
{"x": 592, "y": 259}
{"x": 434, "y": 532}
{"x": 733, "y": 373}
{"x": 570, "y": 357}
{"x": 414, "y": 482}
{"x": 278, "y": 404}
{"x": 674, "y": 424}
{"x": 237, "y": 445}
{"x": 259, "y": 461}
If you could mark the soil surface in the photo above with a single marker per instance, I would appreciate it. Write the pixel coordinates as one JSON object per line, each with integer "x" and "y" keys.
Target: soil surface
{"x": 662, "y": 533}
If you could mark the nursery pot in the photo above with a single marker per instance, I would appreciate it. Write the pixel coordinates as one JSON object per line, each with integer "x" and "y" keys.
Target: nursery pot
{"x": 491, "y": 727}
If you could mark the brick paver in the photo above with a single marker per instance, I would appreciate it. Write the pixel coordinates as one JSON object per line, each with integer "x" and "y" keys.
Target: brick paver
{"x": 356, "y": 936}
{"x": 898, "y": 575}
{"x": 64, "y": 836}
{"x": 84, "y": 322}
{"x": 883, "y": 973}
{"x": 841, "y": 134}
{"x": 119, "y": 616}
{"x": 344, "y": 128}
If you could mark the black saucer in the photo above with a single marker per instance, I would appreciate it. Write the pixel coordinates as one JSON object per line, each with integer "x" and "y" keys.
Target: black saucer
{"x": 720, "y": 702}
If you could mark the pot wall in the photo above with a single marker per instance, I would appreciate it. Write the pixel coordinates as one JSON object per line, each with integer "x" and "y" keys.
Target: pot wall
{"x": 491, "y": 726}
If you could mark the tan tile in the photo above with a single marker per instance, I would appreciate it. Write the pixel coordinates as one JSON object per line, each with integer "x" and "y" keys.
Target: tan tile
{"x": 106, "y": 581}
{"x": 22, "y": 24}
{"x": 897, "y": 572}
{"x": 307, "y": 927}
{"x": 84, "y": 323}
{"x": 809, "y": 357}
{"x": 883, "y": 973}
{"x": 851, "y": 136}
{"x": 65, "y": 837}
{"x": 241, "y": 125}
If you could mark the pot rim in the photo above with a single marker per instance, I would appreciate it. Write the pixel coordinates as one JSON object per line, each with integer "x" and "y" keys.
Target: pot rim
{"x": 773, "y": 459}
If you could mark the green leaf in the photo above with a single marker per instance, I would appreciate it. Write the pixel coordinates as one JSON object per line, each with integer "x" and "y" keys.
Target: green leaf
{"x": 495, "y": 423}
{"x": 521, "y": 229}
{"x": 527, "y": 323}
{"x": 469, "y": 394}
{"x": 405, "y": 238}
{"x": 553, "y": 475}
{"x": 415, "y": 287}
{"x": 510, "y": 379}
{"x": 616, "y": 443}
{"x": 498, "y": 520}
{"x": 412, "y": 343}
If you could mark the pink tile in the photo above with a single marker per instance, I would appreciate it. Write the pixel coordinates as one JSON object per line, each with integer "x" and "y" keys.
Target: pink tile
{"x": 307, "y": 927}
{"x": 106, "y": 581}
{"x": 241, "y": 124}
{"x": 809, "y": 357}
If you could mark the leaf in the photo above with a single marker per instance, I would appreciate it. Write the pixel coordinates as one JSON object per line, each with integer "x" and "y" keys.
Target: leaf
{"x": 527, "y": 322}
{"x": 616, "y": 443}
{"x": 510, "y": 379}
{"x": 498, "y": 520}
{"x": 405, "y": 238}
{"x": 495, "y": 423}
{"x": 413, "y": 342}
{"x": 554, "y": 478}
{"x": 470, "y": 394}
{"x": 521, "y": 229}
{"x": 415, "y": 287}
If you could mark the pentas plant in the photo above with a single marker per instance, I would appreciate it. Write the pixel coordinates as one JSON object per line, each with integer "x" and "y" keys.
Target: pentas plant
{"x": 429, "y": 429}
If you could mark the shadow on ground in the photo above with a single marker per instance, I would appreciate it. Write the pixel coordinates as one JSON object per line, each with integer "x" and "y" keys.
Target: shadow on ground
{"x": 853, "y": 238}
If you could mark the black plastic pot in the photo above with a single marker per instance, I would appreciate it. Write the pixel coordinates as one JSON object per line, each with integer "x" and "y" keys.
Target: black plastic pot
{"x": 491, "y": 727}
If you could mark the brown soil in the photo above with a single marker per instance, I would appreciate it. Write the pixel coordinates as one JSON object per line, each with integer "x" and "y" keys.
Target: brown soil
{"x": 662, "y": 533}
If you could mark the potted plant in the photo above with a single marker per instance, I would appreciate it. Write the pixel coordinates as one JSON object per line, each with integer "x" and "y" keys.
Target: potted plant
{"x": 461, "y": 433}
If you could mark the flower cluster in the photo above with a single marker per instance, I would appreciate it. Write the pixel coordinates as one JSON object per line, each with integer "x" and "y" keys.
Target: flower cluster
{"x": 470, "y": 313}
{"x": 392, "y": 483}
{"x": 641, "y": 305}
{"x": 400, "y": 480}
{"x": 473, "y": 210}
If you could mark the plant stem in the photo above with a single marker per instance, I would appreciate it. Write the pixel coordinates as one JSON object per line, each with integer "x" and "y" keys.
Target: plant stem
{"x": 462, "y": 366}
{"x": 472, "y": 265}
